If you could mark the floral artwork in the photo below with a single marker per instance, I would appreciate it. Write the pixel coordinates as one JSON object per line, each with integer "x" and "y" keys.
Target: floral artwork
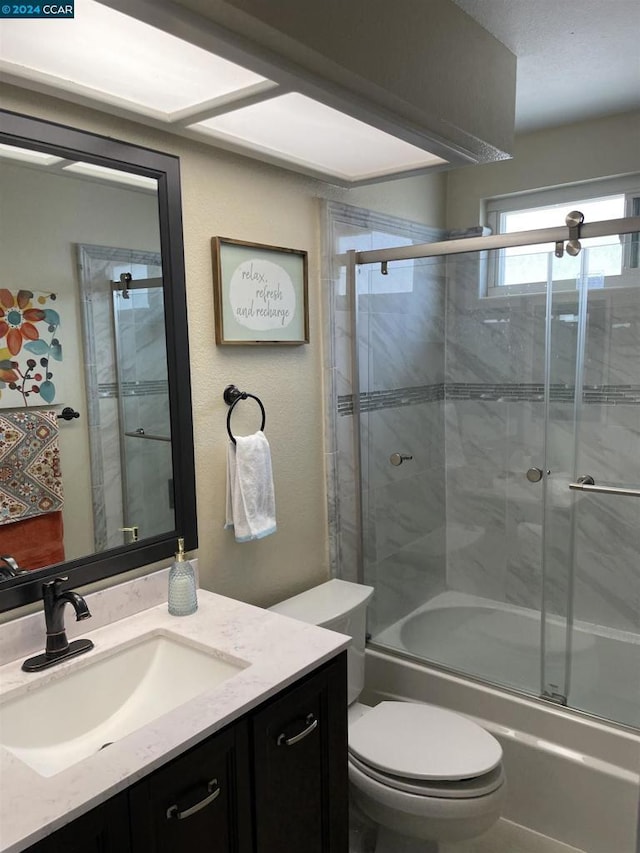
{"x": 29, "y": 348}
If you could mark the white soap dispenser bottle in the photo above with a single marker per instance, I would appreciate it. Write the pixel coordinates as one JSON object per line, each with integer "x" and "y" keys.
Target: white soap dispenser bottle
{"x": 183, "y": 598}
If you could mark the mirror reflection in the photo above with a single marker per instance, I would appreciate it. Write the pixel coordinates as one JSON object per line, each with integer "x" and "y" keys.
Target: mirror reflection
{"x": 82, "y": 330}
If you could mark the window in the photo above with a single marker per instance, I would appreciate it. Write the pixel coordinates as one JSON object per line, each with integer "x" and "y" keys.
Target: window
{"x": 603, "y": 259}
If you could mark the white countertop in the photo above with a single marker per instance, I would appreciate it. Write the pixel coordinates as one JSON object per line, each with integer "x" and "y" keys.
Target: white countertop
{"x": 278, "y": 650}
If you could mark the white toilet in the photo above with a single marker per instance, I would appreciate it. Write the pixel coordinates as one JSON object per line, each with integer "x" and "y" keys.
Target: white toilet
{"x": 422, "y": 773}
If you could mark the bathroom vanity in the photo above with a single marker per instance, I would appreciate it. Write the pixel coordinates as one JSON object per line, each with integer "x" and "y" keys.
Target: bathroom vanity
{"x": 254, "y": 762}
{"x": 237, "y": 782}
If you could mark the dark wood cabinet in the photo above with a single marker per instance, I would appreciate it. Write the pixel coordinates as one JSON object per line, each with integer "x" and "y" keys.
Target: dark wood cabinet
{"x": 199, "y": 803}
{"x": 299, "y": 749}
{"x": 104, "y": 829}
{"x": 275, "y": 781}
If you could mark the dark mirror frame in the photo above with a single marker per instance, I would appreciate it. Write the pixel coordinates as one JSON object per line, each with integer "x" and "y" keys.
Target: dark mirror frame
{"x": 26, "y": 132}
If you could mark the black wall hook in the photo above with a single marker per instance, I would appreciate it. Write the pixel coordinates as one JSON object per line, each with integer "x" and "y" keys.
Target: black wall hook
{"x": 68, "y": 414}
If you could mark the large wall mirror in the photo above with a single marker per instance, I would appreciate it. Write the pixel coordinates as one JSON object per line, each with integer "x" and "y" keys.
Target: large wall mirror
{"x": 96, "y": 440}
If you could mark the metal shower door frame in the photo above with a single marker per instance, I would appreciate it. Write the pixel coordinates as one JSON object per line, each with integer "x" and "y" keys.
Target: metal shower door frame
{"x": 355, "y": 259}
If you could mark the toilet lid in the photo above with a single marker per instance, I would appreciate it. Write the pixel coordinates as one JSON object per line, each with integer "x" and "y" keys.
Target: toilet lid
{"x": 423, "y": 742}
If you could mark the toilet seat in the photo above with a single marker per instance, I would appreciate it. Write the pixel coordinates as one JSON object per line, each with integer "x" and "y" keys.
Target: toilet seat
{"x": 426, "y": 751}
{"x": 428, "y": 817}
{"x": 479, "y": 786}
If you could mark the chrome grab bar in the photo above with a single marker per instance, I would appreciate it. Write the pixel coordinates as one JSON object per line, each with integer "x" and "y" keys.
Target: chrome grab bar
{"x": 588, "y": 484}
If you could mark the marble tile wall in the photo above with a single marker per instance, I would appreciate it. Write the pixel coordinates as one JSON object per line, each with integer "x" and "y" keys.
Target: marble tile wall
{"x": 495, "y": 430}
{"x": 401, "y": 360}
{"x": 405, "y": 509}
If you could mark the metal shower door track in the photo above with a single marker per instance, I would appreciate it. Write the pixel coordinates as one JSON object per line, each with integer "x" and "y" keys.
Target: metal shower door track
{"x": 629, "y": 225}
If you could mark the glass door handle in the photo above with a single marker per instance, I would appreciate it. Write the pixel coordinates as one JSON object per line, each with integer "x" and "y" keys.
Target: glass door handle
{"x": 588, "y": 484}
{"x": 133, "y": 532}
{"x": 398, "y": 458}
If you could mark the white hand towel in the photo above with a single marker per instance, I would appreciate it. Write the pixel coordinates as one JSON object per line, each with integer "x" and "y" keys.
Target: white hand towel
{"x": 251, "y": 506}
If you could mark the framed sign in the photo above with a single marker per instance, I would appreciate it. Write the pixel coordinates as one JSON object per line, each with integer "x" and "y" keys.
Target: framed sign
{"x": 260, "y": 293}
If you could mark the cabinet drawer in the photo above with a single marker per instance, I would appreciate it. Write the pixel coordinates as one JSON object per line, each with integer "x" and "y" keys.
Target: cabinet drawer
{"x": 199, "y": 803}
{"x": 300, "y": 754}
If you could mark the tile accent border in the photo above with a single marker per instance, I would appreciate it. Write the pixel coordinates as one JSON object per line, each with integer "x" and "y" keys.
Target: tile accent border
{"x": 529, "y": 392}
{"x": 612, "y": 394}
{"x": 371, "y": 401}
{"x": 133, "y": 389}
{"x": 533, "y": 392}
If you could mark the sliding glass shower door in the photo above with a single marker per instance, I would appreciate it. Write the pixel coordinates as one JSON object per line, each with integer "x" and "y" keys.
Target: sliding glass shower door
{"x": 143, "y": 404}
{"x": 592, "y": 538}
{"x": 452, "y": 421}
{"x": 482, "y": 408}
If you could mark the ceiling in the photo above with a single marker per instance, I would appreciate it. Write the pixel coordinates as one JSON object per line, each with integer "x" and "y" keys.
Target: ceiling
{"x": 577, "y": 59}
{"x": 173, "y": 83}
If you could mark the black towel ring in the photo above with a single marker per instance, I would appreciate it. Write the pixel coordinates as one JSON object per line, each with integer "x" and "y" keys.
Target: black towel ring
{"x": 232, "y": 396}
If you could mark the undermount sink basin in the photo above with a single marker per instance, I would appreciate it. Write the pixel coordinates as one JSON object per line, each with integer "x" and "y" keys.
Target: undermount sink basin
{"x": 103, "y": 698}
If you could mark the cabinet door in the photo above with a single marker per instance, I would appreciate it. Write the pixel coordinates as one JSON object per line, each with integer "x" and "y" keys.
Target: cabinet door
{"x": 104, "y": 829}
{"x": 199, "y": 803}
{"x": 300, "y": 752}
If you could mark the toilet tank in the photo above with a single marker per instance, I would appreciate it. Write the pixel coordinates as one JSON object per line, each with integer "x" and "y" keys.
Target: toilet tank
{"x": 339, "y": 606}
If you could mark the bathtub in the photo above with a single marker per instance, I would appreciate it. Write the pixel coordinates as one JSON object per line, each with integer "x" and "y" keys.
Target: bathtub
{"x": 571, "y": 776}
{"x": 500, "y": 643}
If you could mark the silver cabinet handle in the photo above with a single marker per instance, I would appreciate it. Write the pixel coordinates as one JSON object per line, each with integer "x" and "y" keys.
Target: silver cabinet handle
{"x": 213, "y": 791}
{"x": 534, "y": 475}
{"x": 588, "y": 484}
{"x": 398, "y": 458}
{"x": 311, "y": 723}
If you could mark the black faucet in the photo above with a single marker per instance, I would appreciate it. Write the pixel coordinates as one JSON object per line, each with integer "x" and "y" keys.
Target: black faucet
{"x": 58, "y": 648}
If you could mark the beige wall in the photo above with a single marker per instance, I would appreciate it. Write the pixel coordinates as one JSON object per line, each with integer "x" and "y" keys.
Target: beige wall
{"x": 235, "y": 197}
{"x": 547, "y": 158}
